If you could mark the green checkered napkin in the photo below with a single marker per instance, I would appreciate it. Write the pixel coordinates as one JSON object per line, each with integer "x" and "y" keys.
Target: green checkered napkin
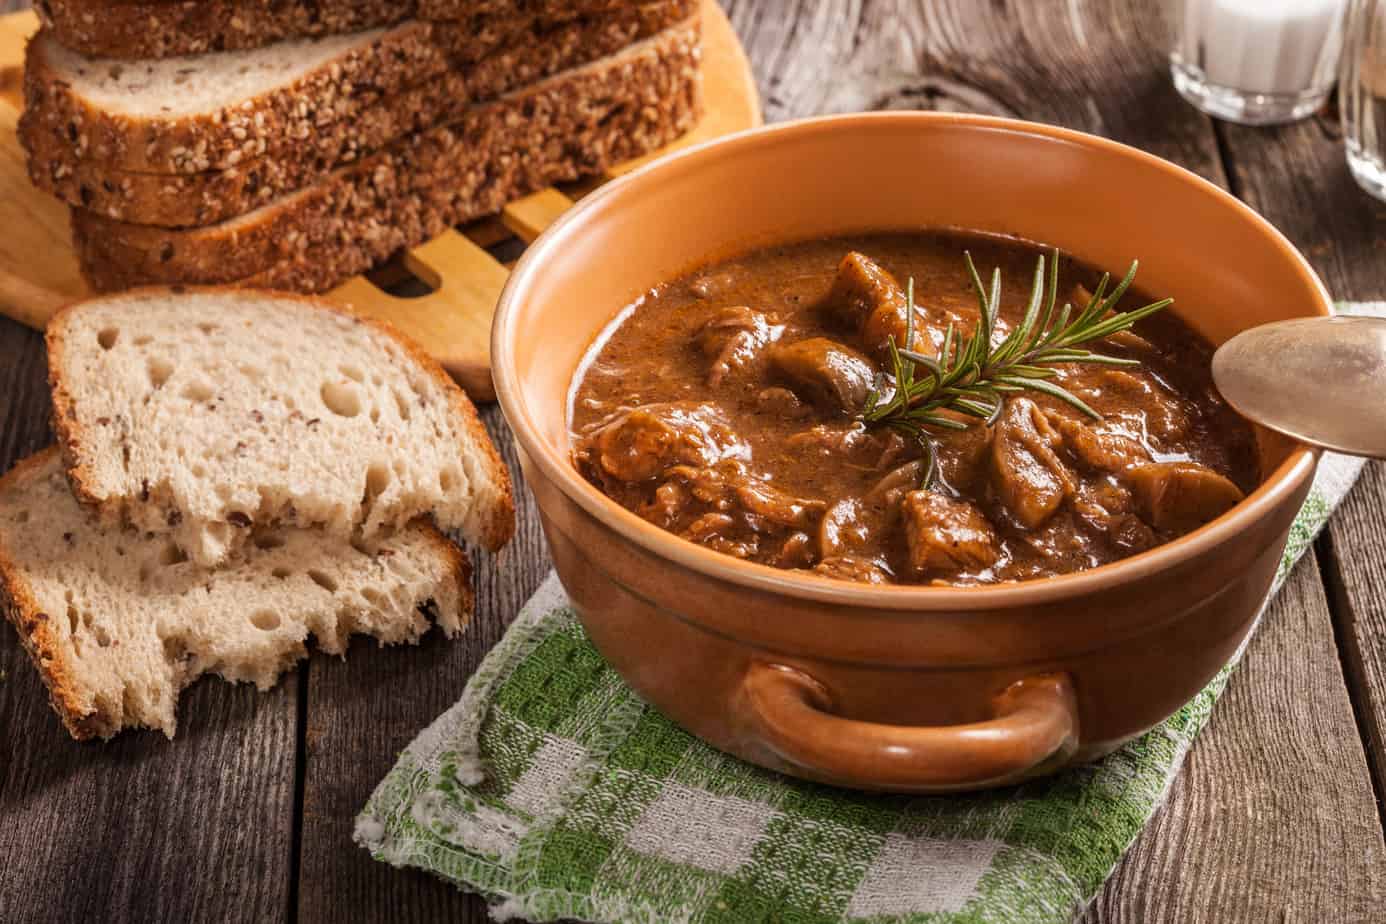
{"x": 557, "y": 793}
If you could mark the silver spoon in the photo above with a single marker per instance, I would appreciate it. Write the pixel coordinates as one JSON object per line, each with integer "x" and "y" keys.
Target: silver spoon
{"x": 1319, "y": 380}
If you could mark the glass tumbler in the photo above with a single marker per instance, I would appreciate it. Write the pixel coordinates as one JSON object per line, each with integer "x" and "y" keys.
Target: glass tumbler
{"x": 1257, "y": 62}
{"x": 1362, "y": 95}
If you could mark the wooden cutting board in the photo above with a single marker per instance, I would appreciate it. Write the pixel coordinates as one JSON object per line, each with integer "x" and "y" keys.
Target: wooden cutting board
{"x": 38, "y": 270}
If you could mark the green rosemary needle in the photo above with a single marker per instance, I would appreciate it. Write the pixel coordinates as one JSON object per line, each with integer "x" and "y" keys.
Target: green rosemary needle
{"x": 969, "y": 376}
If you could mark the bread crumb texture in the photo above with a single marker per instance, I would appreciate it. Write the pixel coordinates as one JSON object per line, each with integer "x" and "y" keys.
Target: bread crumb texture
{"x": 118, "y": 622}
{"x": 207, "y": 414}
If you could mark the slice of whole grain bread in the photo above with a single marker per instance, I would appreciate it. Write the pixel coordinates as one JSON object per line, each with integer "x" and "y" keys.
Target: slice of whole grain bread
{"x": 290, "y": 162}
{"x": 165, "y": 28}
{"x": 206, "y": 413}
{"x": 573, "y": 124}
{"x": 193, "y": 113}
{"x": 119, "y": 622}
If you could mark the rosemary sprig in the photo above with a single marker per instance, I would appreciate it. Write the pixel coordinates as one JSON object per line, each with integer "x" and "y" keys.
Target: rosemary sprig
{"x": 969, "y": 376}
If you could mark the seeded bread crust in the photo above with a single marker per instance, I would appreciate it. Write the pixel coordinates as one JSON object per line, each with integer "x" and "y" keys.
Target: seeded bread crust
{"x": 168, "y": 28}
{"x": 70, "y": 693}
{"x": 573, "y": 124}
{"x": 376, "y": 64}
{"x": 290, "y": 163}
{"x": 497, "y": 525}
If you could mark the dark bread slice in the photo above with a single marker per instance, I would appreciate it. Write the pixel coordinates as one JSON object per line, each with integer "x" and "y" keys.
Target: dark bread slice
{"x": 572, "y": 124}
{"x": 117, "y": 623}
{"x": 167, "y": 28}
{"x": 215, "y": 111}
{"x": 290, "y": 163}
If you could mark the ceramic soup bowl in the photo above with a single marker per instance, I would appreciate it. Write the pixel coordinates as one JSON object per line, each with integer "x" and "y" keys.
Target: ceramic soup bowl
{"x": 918, "y": 689}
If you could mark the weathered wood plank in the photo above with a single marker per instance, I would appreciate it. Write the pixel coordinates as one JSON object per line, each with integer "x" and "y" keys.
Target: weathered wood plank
{"x": 1297, "y": 177}
{"x": 1086, "y": 64}
{"x": 1357, "y": 588}
{"x": 141, "y": 829}
{"x": 1270, "y": 819}
{"x": 363, "y": 711}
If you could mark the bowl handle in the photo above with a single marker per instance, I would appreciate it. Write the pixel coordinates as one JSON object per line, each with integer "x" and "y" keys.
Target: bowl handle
{"x": 1034, "y": 726}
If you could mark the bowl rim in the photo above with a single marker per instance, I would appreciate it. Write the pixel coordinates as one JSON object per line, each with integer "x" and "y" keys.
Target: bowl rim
{"x": 1298, "y": 466}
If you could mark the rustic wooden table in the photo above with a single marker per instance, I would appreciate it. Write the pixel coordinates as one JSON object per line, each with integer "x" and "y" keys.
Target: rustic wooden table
{"x": 247, "y": 816}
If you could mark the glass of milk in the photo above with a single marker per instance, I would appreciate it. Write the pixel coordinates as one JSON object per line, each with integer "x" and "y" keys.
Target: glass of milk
{"x": 1257, "y": 62}
{"x": 1362, "y": 95}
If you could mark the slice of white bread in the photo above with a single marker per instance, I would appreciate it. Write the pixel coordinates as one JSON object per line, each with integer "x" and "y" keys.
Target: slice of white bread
{"x": 573, "y": 124}
{"x": 160, "y": 28}
{"x": 296, "y": 157}
{"x": 118, "y": 623}
{"x": 203, "y": 413}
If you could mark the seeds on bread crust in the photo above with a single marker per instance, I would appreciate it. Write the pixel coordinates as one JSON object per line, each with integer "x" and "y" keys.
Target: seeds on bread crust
{"x": 298, "y": 156}
{"x": 573, "y": 124}
{"x": 160, "y": 29}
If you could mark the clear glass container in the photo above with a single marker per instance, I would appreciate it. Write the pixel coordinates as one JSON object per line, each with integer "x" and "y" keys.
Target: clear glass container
{"x": 1257, "y": 62}
{"x": 1362, "y": 95}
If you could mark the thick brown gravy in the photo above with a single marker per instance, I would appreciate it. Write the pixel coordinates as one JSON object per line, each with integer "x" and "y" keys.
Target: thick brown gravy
{"x": 722, "y": 406}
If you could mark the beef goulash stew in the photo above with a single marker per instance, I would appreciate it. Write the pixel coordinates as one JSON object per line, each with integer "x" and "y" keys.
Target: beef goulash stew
{"x": 767, "y": 407}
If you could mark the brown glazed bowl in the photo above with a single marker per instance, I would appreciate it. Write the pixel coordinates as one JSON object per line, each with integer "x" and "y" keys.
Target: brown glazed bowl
{"x": 916, "y": 689}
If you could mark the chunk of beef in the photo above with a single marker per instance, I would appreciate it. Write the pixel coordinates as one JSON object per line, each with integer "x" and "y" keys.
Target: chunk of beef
{"x": 866, "y": 298}
{"x": 643, "y": 443}
{"x": 1099, "y": 447}
{"x": 1137, "y": 397}
{"x": 834, "y": 377}
{"x": 850, "y": 568}
{"x": 1180, "y": 496}
{"x": 782, "y": 402}
{"x": 962, "y": 453}
{"x": 729, "y": 488}
{"x": 1026, "y": 473}
{"x": 946, "y": 535}
{"x": 728, "y": 509}
{"x": 850, "y": 525}
{"x": 732, "y": 339}
{"x": 1107, "y": 507}
{"x": 851, "y": 443}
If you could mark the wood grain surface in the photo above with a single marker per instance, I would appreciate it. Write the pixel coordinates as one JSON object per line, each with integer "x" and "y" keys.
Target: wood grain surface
{"x": 247, "y": 816}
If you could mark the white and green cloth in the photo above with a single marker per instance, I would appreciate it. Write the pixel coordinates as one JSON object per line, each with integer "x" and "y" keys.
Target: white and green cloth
{"x": 553, "y": 790}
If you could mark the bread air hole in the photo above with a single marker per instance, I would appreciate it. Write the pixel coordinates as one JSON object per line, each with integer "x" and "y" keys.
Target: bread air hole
{"x": 265, "y": 620}
{"x": 447, "y": 480}
{"x": 107, "y": 337}
{"x": 282, "y": 573}
{"x": 268, "y": 541}
{"x": 208, "y": 329}
{"x": 377, "y": 480}
{"x": 353, "y": 373}
{"x": 401, "y": 405}
{"x": 374, "y": 597}
{"x": 324, "y": 581}
{"x": 159, "y": 371}
{"x": 197, "y": 392}
{"x": 341, "y": 399}
{"x": 171, "y": 555}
